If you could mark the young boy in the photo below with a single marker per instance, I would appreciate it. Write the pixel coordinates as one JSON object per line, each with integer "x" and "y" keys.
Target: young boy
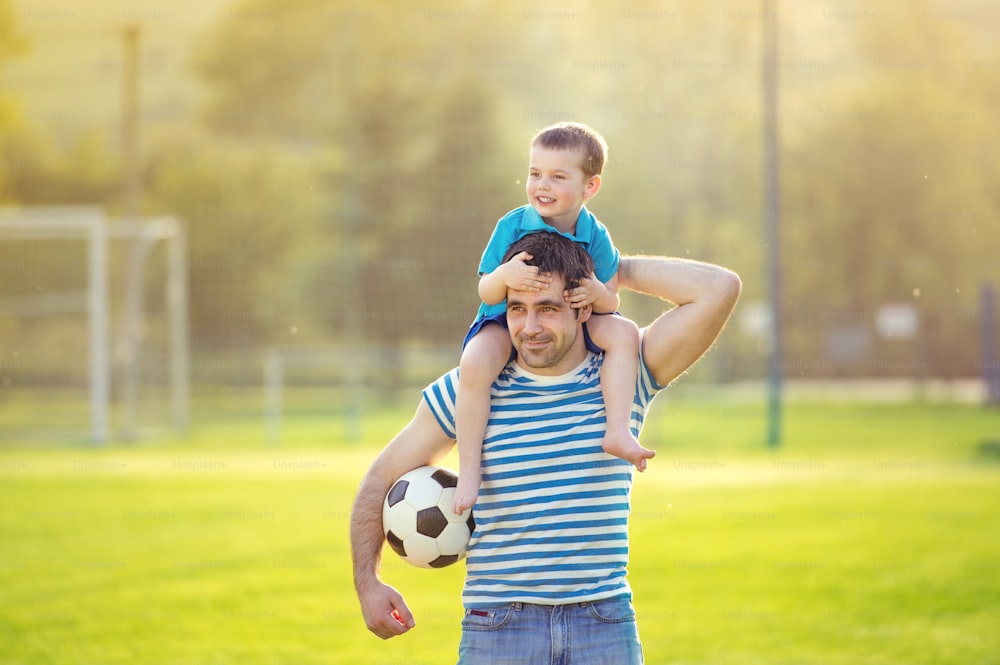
{"x": 565, "y": 165}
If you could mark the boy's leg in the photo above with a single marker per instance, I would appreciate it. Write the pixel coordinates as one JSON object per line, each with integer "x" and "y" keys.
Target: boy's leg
{"x": 483, "y": 359}
{"x": 619, "y": 337}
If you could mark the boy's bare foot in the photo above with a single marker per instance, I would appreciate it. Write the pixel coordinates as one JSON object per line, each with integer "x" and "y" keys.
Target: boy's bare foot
{"x": 467, "y": 491}
{"x": 624, "y": 445}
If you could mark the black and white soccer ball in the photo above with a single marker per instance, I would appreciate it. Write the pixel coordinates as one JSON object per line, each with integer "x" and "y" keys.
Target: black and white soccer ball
{"x": 419, "y": 523}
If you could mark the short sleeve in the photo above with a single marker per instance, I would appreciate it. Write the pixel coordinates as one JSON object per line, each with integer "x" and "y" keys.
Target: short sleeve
{"x": 440, "y": 397}
{"x": 504, "y": 233}
{"x": 604, "y": 253}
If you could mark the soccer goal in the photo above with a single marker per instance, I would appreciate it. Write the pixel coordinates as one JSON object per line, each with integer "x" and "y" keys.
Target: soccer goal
{"x": 56, "y": 319}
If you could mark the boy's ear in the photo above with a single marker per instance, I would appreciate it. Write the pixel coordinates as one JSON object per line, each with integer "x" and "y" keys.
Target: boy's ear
{"x": 593, "y": 184}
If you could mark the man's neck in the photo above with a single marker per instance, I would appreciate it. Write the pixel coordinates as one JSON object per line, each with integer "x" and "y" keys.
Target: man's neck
{"x": 566, "y": 365}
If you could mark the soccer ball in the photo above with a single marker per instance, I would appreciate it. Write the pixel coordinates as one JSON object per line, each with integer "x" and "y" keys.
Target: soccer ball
{"x": 419, "y": 523}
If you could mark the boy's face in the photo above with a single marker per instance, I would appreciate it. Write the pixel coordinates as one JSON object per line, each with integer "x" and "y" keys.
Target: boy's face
{"x": 557, "y": 187}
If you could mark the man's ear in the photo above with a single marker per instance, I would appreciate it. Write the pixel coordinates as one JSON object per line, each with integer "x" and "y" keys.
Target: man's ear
{"x": 591, "y": 187}
{"x": 583, "y": 313}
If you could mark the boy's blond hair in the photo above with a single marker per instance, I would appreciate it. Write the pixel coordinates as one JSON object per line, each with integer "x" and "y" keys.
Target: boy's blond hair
{"x": 592, "y": 147}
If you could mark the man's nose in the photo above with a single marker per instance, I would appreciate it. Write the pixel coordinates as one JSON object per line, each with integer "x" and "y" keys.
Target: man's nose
{"x": 531, "y": 323}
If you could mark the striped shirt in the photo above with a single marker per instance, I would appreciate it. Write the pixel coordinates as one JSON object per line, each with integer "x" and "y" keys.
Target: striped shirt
{"x": 552, "y": 513}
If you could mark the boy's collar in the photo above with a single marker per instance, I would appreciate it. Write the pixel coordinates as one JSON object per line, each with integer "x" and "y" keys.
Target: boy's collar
{"x": 532, "y": 221}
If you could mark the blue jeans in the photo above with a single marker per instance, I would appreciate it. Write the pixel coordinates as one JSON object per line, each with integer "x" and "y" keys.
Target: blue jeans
{"x": 602, "y": 632}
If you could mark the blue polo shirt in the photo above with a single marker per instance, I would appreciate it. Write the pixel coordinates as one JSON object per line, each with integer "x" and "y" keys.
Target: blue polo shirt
{"x": 591, "y": 234}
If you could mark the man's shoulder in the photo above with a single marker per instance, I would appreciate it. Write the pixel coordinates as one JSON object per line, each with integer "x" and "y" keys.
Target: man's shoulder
{"x": 440, "y": 396}
{"x": 446, "y": 382}
{"x": 647, "y": 376}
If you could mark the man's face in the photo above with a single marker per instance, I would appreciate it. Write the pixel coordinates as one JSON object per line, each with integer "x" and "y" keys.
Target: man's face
{"x": 545, "y": 330}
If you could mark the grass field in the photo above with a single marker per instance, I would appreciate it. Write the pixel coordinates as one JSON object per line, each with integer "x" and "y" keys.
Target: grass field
{"x": 872, "y": 536}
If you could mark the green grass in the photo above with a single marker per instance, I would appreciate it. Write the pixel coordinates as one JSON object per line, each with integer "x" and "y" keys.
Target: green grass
{"x": 872, "y": 536}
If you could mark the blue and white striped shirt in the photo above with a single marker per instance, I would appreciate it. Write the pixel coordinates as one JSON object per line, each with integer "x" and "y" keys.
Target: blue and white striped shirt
{"x": 552, "y": 513}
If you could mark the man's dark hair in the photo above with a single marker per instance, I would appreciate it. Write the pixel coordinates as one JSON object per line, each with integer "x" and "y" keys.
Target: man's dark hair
{"x": 556, "y": 254}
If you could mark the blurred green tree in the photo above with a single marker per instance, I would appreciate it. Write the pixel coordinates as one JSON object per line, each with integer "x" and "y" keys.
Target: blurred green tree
{"x": 409, "y": 178}
{"x": 356, "y": 157}
{"x": 893, "y": 200}
{"x": 248, "y": 210}
{"x": 12, "y": 45}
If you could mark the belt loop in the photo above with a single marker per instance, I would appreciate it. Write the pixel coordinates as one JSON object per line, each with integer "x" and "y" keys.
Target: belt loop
{"x": 517, "y": 606}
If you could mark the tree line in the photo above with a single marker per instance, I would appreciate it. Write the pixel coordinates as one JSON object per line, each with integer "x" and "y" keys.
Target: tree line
{"x": 348, "y": 162}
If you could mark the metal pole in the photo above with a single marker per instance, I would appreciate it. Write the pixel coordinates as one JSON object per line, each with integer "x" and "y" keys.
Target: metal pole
{"x": 133, "y": 281}
{"x": 274, "y": 381}
{"x": 350, "y": 261}
{"x": 354, "y": 365}
{"x": 130, "y": 119}
{"x": 97, "y": 316}
{"x": 177, "y": 320}
{"x": 987, "y": 333}
{"x": 772, "y": 206}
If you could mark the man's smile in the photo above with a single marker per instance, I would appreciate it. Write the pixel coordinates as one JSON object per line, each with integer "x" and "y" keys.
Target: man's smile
{"x": 535, "y": 341}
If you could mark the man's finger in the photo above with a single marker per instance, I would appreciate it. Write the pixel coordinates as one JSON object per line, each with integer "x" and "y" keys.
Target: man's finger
{"x": 403, "y": 616}
{"x": 390, "y": 626}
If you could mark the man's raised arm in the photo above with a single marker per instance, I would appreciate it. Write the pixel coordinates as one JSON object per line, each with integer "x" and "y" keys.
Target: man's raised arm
{"x": 705, "y": 295}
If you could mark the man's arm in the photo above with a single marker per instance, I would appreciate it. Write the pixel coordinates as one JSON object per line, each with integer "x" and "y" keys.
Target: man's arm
{"x": 705, "y": 295}
{"x": 420, "y": 443}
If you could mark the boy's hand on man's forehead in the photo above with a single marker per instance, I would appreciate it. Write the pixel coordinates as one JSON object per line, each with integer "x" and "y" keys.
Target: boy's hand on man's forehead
{"x": 522, "y": 277}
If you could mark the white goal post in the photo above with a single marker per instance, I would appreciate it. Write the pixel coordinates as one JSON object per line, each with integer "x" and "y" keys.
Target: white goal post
{"x": 89, "y": 223}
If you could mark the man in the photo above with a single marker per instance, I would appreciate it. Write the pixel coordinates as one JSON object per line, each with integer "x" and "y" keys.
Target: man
{"x": 545, "y": 574}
